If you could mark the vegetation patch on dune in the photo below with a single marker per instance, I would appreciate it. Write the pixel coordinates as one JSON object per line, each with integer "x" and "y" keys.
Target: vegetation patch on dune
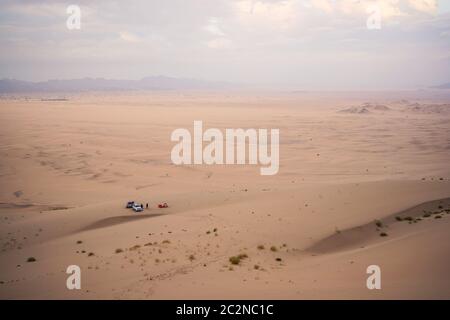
{"x": 237, "y": 259}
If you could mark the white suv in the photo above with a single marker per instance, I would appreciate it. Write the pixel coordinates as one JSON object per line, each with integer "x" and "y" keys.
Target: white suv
{"x": 137, "y": 207}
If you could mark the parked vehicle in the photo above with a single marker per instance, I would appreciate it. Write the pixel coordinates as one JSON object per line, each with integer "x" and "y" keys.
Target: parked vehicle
{"x": 163, "y": 205}
{"x": 129, "y": 204}
{"x": 137, "y": 207}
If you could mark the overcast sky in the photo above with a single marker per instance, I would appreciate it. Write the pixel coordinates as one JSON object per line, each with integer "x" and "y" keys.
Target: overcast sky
{"x": 295, "y": 44}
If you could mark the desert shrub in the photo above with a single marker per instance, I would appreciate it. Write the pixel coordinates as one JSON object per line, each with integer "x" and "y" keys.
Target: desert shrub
{"x": 31, "y": 259}
{"x": 378, "y": 223}
{"x": 398, "y": 218}
{"x": 273, "y": 248}
{"x": 237, "y": 259}
{"x": 118, "y": 250}
{"x": 234, "y": 260}
{"x": 383, "y": 234}
{"x": 260, "y": 247}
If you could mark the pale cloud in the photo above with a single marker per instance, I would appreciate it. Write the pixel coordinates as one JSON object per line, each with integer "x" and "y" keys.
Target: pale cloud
{"x": 390, "y": 8}
{"x": 129, "y": 37}
{"x": 428, "y": 6}
{"x": 39, "y": 9}
{"x": 266, "y": 14}
{"x": 213, "y": 27}
{"x": 324, "y": 5}
{"x": 219, "y": 43}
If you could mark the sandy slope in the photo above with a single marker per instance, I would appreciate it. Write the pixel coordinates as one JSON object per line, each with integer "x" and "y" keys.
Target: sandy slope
{"x": 67, "y": 169}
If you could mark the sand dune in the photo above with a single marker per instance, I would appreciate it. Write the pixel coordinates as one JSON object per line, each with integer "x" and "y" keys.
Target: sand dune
{"x": 69, "y": 167}
{"x": 111, "y": 221}
{"x": 383, "y": 228}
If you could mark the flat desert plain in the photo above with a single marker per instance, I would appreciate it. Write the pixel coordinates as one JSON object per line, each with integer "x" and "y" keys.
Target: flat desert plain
{"x": 364, "y": 179}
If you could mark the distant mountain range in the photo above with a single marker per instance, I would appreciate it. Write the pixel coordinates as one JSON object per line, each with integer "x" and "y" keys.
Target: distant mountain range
{"x": 101, "y": 84}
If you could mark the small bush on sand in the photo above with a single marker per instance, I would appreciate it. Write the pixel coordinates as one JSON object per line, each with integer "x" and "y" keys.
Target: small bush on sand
{"x": 278, "y": 259}
{"x": 31, "y": 259}
{"x": 256, "y": 267}
{"x": 437, "y": 217}
{"x": 378, "y": 223}
{"x": 383, "y": 234}
{"x": 260, "y": 247}
{"x": 192, "y": 257}
{"x": 273, "y": 248}
{"x": 90, "y": 254}
{"x": 118, "y": 250}
{"x": 427, "y": 215}
{"x": 237, "y": 259}
{"x": 398, "y": 218}
{"x": 79, "y": 242}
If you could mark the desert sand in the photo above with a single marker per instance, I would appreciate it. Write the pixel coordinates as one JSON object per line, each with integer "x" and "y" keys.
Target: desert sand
{"x": 364, "y": 180}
